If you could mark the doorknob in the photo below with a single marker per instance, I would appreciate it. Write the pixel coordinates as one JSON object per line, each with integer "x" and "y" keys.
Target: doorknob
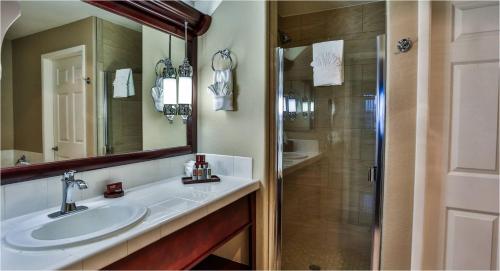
{"x": 56, "y": 148}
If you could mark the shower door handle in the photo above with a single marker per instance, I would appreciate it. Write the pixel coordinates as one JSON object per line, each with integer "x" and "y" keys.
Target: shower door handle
{"x": 372, "y": 173}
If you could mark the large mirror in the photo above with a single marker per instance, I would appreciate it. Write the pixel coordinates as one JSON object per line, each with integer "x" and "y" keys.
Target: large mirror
{"x": 77, "y": 82}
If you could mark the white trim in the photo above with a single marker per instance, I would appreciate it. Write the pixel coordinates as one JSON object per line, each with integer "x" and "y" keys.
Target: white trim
{"x": 423, "y": 73}
{"x": 48, "y": 97}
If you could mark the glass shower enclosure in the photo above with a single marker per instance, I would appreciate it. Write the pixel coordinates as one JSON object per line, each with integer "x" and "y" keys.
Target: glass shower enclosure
{"x": 330, "y": 142}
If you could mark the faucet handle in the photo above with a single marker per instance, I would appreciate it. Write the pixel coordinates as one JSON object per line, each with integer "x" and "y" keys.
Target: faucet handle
{"x": 69, "y": 174}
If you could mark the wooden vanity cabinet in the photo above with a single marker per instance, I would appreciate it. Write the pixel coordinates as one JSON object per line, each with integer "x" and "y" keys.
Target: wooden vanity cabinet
{"x": 187, "y": 247}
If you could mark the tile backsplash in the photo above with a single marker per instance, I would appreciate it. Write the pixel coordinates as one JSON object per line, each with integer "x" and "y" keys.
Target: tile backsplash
{"x": 26, "y": 197}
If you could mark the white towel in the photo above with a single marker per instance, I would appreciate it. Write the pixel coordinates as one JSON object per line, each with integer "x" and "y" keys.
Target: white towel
{"x": 222, "y": 90}
{"x": 224, "y": 77}
{"x": 328, "y": 63}
{"x": 123, "y": 86}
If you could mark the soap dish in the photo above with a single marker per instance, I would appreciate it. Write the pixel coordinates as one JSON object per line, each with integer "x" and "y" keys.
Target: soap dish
{"x": 114, "y": 190}
{"x": 113, "y": 194}
{"x": 189, "y": 180}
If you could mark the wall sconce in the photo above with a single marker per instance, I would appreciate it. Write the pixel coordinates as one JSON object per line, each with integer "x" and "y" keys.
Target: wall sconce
{"x": 185, "y": 84}
{"x": 169, "y": 86}
{"x": 305, "y": 107}
{"x": 291, "y": 107}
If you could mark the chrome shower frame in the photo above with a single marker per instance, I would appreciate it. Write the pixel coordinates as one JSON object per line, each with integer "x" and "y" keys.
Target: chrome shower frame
{"x": 379, "y": 152}
{"x": 279, "y": 118}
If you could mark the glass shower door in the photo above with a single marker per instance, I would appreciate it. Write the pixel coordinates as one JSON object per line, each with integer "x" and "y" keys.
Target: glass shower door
{"x": 330, "y": 147}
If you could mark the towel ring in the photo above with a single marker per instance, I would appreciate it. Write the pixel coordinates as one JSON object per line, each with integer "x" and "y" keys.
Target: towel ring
{"x": 158, "y": 74}
{"x": 225, "y": 54}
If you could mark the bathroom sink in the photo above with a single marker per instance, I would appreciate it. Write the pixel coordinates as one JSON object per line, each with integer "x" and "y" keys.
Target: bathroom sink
{"x": 76, "y": 228}
{"x": 294, "y": 155}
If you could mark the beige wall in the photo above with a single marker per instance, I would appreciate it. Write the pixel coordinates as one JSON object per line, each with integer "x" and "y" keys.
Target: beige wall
{"x": 27, "y": 98}
{"x": 7, "y": 125}
{"x": 241, "y": 27}
{"x": 157, "y": 131}
{"x": 400, "y": 139}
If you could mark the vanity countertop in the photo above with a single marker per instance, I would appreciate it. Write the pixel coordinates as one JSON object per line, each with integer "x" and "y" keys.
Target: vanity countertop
{"x": 169, "y": 201}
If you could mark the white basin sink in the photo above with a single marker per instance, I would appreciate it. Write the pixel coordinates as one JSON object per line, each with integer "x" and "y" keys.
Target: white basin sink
{"x": 76, "y": 228}
{"x": 294, "y": 155}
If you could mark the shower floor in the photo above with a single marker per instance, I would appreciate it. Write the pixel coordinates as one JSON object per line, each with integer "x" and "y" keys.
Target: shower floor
{"x": 320, "y": 226}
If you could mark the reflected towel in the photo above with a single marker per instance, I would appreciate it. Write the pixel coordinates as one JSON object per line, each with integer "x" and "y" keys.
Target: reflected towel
{"x": 123, "y": 85}
{"x": 328, "y": 63}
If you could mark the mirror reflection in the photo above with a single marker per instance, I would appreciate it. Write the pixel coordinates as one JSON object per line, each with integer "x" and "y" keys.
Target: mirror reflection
{"x": 298, "y": 91}
{"x": 80, "y": 84}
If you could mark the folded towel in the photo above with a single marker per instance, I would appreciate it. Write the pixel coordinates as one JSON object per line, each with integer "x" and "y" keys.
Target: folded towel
{"x": 123, "y": 85}
{"x": 328, "y": 63}
{"x": 222, "y": 90}
{"x": 224, "y": 80}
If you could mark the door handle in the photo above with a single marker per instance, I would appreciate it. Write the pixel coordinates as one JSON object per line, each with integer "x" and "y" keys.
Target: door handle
{"x": 56, "y": 148}
{"x": 371, "y": 174}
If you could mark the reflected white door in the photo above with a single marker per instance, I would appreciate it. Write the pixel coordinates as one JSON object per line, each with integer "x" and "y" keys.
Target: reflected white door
{"x": 69, "y": 109}
{"x": 472, "y": 181}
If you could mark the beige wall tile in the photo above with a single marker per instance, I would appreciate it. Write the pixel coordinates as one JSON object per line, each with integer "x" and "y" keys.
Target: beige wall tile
{"x": 344, "y": 21}
{"x": 374, "y": 17}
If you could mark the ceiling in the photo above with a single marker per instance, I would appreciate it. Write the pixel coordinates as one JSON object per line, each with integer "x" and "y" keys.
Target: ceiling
{"x": 37, "y": 16}
{"x": 204, "y": 6}
{"x": 290, "y": 8}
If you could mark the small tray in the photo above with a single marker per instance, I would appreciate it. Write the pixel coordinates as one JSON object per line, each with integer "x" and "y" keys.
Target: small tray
{"x": 189, "y": 180}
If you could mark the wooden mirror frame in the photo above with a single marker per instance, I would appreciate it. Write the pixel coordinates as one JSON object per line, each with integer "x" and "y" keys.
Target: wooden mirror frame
{"x": 166, "y": 16}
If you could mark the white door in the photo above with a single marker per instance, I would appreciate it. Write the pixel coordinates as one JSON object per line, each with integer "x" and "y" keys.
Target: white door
{"x": 472, "y": 180}
{"x": 69, "y": 109}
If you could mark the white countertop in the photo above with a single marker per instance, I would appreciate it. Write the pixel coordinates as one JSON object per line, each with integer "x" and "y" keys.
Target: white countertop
{"x": 168, "y": 201}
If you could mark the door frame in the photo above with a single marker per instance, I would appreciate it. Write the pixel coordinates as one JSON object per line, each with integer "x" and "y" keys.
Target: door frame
{"x": 48, "y": 91}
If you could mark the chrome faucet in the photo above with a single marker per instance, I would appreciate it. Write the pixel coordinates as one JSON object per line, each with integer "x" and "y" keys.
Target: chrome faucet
{"x": 69, "y": 184}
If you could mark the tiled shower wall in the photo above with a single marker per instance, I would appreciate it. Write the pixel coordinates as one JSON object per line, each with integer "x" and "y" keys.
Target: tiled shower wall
{"x": 119, "y": 47}
{"x": 349, "y": 136}
{"x": 334, "y": 228}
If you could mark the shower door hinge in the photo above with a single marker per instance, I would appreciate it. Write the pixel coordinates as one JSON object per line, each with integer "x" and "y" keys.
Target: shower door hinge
{"x": 372, "y": 173}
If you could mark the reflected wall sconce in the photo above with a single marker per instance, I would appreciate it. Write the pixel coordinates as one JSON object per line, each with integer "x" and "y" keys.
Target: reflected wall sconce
{"x": 176, "y": 93}
{"x": 185, "y": 84}
{"x": 305, "y": 107}
{"x": 291, "y": 106}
